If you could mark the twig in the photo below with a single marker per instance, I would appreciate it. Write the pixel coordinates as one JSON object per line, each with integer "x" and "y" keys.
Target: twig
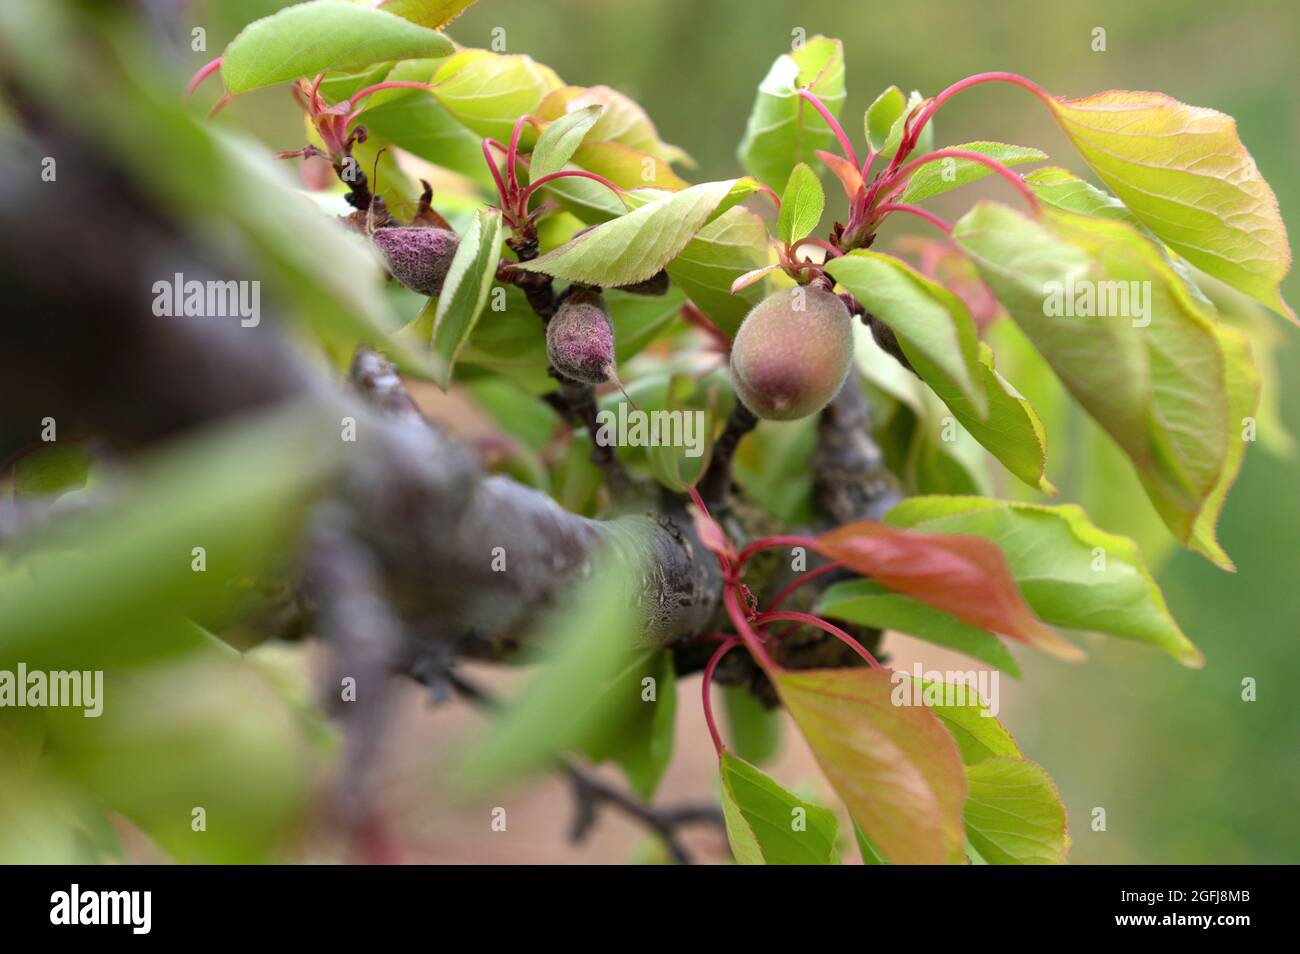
{"x": 591, "y": 791}
{"x": 716, "y": 481}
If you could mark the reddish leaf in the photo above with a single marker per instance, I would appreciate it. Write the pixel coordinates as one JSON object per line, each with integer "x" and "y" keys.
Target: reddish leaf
{"x": 966, "y": 577}
{"x": 844, "y": 170}
{"x": 896, "y": 767}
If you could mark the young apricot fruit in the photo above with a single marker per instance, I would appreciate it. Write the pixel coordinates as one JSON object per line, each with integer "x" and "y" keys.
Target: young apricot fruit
{"x": 580, "y": 338}
{"x": 792, "y": 353}
{"x": 417, "y": 257}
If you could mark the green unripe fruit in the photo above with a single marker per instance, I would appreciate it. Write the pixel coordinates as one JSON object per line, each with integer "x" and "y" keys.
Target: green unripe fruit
{"x": 580, "y": 338}
{"x": 417, "y": 257}
{"x": 792, "y": 353}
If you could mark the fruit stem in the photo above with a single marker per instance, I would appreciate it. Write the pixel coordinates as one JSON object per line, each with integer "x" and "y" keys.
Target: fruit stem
{"x": 939, "y": 223}
{"x": 729, "y": 644}
{"x": 204, "y": 72}
{"x": 845, "y": 145}
{"x": 810, "y": 620}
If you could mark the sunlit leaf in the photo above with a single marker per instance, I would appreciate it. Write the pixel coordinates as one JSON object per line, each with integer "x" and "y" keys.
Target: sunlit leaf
{"x": 1072, "y": 573}
{"x": 935, "y": 178}
{"x": 730, "y": 246}
{"x": 962, "y": 575}
{"x": 767, "y": 825}
{"x": 635, "y": 246}
{"x": 310, "y": 38}
{"x": 801, "y": 205}
{"x": 466, "y": 290}
{"x": 559, "y": 140}
{"x": 488, "y": 91}
{"x": 784, "y": 129}
{"x": 1184, "y": 172}
{"x": 434, "y": 14}
{"x": 622, "y": 120}
{"x": 868, "y": 603}
{"x": 895, "y": 767}
{"x": 1148, "y": 367}
{"x": 753, "y": 730}
{"x": 1014, "y": 814}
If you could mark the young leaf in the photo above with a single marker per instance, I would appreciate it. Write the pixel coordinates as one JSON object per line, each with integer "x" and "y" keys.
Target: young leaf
{"x": 1148, "y": 367}
{"x": 1014, "y": 814}
{"x": 626, "y": 167}
{"x": 635, "y": 246}
{"x": 1072, "y": 573}
{"x": 434, "y": 14}
{"x": 784, "y": 129}
{"x": 767, "y": 825}
{"x": 962, "y": 575}
{"x": 310, "y": 38}
{"x": 730, "y": 246}
{"x": 926, "y": 140}
{"x": 488, "y": 91}
{"x": 801, "y": 206}
{"x": 622, "y": 120}
{"x": 896, "y": 767}
{"x": 879, "y": 119}
{"x": 868, "y": 603}
{"x": 466, "y": 290}
{"x": 422, "y": 126}
{"x": 560, "y": 140}
{"x": 935, "y": 178}
{"x": 1184, "y": 172}
{"x": 931, "y": 323}
{"x": 977, "y": 732}
{"x": 1062, "y": 189}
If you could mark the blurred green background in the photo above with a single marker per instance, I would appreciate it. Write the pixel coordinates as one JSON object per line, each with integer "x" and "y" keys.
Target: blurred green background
{"x": 1185, "y": 770}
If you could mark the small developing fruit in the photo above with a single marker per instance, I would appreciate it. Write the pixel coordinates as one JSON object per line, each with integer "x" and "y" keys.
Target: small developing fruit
{"x": 580, "y": 338}
{"x": 792, "y": 353}
{"x": 417, "y": 257}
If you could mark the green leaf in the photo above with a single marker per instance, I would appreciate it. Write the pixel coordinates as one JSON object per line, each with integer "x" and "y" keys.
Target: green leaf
{"x": 773, "y": 465}
{"x": 1071, "y": 573}
{"x": 731, "y": 245}
{"x": 896, "y": 767}
{"x": 753, "y": 730}
{"x": 488, "y": 91}
{"x": 784, "y": 129}
{"x": 1243, "y": 383}
{"x": 641, "y": 742}
{"x": 622, "y": 120}
{"x": 767, "y": 825}
{"x": 1014, "y": 814}
{"x": 868, "y": 603}
{"x": 977, "y": 732}
{"x": 880, "y": 117}
{"x": 926, "y": 140}
{"x": 935, "y": 178}
{"x": 801, "y": 206}
{"x": 310, "y": 38}
{"x": 434, "y": 14}
{"x": 560, "y": 140}
{"x": 466, "y": 290}
{"x": 1184, "y": 172}
{"x": 1149, "y": 369}
{"x": 1062, "y": 189}
{"x": 586, "y": 643}
{"x": 133, "y": 564}
{"x": 422, "y": 126}
{"x": 51, "y": 469}
{"x": 932, "y": 324}
{"x": 635, "y": 246}
{"x": 870, "y": 853}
